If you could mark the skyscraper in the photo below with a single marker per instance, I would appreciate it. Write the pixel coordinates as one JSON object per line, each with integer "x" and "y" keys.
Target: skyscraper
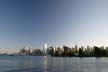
{"x": 45, "y": 48}
{"x": 30, "y": 51}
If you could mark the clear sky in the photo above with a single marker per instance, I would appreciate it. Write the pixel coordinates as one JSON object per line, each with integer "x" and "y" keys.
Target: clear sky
{"x": 56, "y": 22}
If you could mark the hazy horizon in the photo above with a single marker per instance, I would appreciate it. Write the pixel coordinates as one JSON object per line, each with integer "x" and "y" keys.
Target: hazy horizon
{"x": 55, "y": 22}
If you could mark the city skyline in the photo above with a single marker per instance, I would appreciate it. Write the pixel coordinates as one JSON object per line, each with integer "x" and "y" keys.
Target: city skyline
{"x": 57, "y": 23}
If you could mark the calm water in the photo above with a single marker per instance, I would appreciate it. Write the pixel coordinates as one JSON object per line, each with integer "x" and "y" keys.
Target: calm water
{"x": 52, "y": 64}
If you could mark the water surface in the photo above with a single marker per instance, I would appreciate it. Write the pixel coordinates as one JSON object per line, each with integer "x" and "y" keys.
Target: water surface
{"x": 52, "y": 64}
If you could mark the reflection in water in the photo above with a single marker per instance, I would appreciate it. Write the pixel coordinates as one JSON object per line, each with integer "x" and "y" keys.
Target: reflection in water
{"x": 57, "y": 65}
{"x": 27, "y": 61}
{"x": 53, "y": 64}
{"x": 101, "y": 64}
{"x": 31, "y": 60}
{"x": 88, "y": 65}
{"x": 45, "y": 64}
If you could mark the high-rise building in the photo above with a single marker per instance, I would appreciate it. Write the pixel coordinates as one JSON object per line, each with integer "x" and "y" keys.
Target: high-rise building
{"x": 76, "y": 48}
{"x": 45, "y": 48}
{"x": 24, "y": 51}
{"x": 30, "y": 51}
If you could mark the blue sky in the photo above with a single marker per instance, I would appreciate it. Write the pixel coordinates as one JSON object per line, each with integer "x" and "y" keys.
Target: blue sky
{"x": 56, "y": 22}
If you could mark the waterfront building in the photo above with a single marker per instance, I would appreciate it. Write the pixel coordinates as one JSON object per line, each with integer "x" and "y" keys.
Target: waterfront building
{"x": 106, "y": 48}
{"x": 60, "y": 51}
{"x": 23, "y": 51}
{"x": 45, "y": 48}
{"x": 54, "y": 49}
{"x": 38, "y": 52}
{"x": 30, "y": 51}
{"x": 76, "y": 48}
{"x": 102, "y": 47}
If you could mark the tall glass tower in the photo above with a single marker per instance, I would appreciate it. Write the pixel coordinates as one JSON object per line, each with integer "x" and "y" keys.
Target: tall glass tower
{"x": 45, "y": 48}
